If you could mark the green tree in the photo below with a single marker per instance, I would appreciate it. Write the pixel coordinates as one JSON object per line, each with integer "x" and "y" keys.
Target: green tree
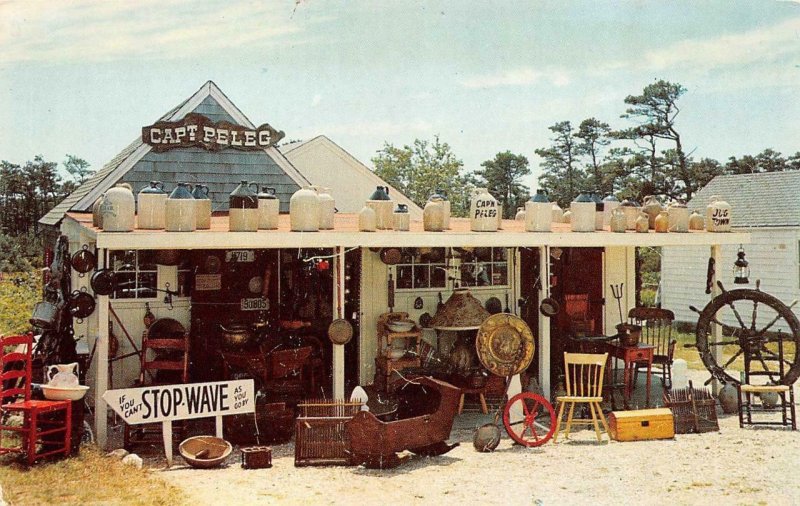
{"x": 78, "y": 168}
{"x": 562, "y": 175}
{"x": 594, "y": 137}
{"x": 422, "y": 168}
{"x": 502, "y": 176}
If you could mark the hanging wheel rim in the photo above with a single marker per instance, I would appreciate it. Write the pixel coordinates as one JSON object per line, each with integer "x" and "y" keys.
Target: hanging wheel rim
{"x": 537, "y": 422}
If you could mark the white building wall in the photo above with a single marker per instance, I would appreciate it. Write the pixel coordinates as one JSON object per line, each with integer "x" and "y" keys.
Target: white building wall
{"x": 773, "y": 258}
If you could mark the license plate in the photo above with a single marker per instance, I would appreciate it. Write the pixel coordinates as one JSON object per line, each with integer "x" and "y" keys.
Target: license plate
{"x": 243, "y": 255}
{"x": 255, "y": 304}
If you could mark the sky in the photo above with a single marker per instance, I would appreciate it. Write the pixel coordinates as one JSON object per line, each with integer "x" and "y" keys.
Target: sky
{"x": 82, "y": 77}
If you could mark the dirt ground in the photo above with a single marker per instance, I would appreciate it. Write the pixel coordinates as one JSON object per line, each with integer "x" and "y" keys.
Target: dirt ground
{"x": 732, "y": 466}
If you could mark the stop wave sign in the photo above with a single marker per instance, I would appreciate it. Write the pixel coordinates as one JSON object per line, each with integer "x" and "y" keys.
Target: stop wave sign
{"x": 164, "y": 403}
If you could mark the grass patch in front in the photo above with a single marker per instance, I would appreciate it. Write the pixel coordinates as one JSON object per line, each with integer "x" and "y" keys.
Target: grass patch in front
{"x": 88, "y": 479}
{"x": 19, "y": 292}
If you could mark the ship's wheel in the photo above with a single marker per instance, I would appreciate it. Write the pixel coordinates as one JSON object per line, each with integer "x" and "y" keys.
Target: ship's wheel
{"x": 755, "y": 322}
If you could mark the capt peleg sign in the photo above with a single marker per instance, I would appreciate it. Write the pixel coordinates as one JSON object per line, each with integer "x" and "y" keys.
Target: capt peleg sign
{"x": 165, "y": 403}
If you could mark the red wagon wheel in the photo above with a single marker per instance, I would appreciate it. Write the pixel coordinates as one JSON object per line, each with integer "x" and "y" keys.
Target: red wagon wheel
{"x": 537, "y": 424}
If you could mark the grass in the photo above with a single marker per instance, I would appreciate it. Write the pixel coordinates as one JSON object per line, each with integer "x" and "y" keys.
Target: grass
{"x": 89, "y": 479}
{"x": 19, "y": 292}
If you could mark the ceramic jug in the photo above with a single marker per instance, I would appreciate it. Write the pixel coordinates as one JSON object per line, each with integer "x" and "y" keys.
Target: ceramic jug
{"x": 66, "y": 375}
{"x": 202, "y": 207}
{"x": 483, "y": 211}
{"x": 696, "y": 221}
{"x": 304, "y": 210}
{"x": 583, "y": 210}
{"x": 558, "y": 213}
{"x": 97, "y": 218}
{"x": 538, "y": 213}
{"x": 618, "y": 221}
{"x": 599, "y": 215}
{"x": 243, "y": 208}
{"x": 367, "y": 219}
{"x": 567, "y": 217}
{"x": 631, "y": 210}
{"x": 327, "y": 208}
{"x": 152, "y": 201}
{"x": 401, "y": 218}
{"x": 642, "y": 222}
{"x": 179, "y": 210}
{"x": 268, "y": 209}
{"x": 117, "y": 212}
{"x": 652, "y": 207}
{"x": 678, "y": 217}
{"x": 610, "y": 203}
{"x": 446, "y": 205}
{"x": 662, "y": 221}
{"x": 520, "y": 216}
{"x": 433, "y": 216}
{"x": 718, "y": 215}
{"x": 382, "y": 204}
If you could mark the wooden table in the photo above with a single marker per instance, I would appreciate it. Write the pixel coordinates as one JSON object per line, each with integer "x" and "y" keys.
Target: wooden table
{"x": 631, "y": 355}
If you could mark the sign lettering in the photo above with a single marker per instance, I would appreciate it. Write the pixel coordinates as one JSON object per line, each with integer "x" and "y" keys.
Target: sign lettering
{"x": 197, "y": 130}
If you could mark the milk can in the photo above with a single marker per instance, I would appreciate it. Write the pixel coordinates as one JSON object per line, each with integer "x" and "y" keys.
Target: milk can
{"x": 117, "y": 209}
{"x": 610, "y": 203}
{"x": 618, "y": 221}
{"x": 304, "y": 210}
{"x": 483, "y": 211}
{"x": 367, "y": 219}
{"x": 631, "y": 210}
{"x": 558, "y": 213}
{"x": 520, "y": 216}
{"x": 180, "y": 210}
{"x": 446, "y": 205}
{"x": 202, "y": 206}
{"x": 401, "y": 218}
{"x": 583, "y": 209}
{"x": 382, "y": 204}
{"x": 152, "y": 200}
{"x": 678, "y": 217}
{"x": 718, "y": 215}
{"x": 268, "y": 209}
{"x": 696, "y": 221}
{"x": 327, "y": 208}
{"x": 652, "y": 207}
{"x": 538, "y": 213}
{"x": 433, "y": 215}
{"x": 662, "y": 221}
{"x": 243, "y": 208}
{"x": 642, "y": 222}
{"x": 97, "y": 218}
{"x": 599, "y": 214}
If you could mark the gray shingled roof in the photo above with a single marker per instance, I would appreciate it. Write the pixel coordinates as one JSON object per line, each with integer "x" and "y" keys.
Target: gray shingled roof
{"x": 769, "y": 199}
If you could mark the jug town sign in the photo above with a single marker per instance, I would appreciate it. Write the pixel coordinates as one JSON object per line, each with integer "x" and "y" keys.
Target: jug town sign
{"x": 198, "y": 130}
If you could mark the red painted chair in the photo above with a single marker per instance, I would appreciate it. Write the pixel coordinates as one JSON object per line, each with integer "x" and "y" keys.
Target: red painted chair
{"x": 39, "y": 418}
{"x": 576, "y": 307}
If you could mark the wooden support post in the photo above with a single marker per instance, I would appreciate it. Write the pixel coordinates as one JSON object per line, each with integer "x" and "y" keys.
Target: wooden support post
{"x": 218, "y": 426}
{"x": 166, "y": 432}
{"x": 716, "y": 331}
{"x": 101, "y": 366}
{"x": 544, "y": 322}
{"x": 338, "y": 349}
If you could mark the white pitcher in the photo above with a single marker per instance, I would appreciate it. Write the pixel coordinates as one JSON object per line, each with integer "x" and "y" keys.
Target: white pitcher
{"x": 67, "y": 375}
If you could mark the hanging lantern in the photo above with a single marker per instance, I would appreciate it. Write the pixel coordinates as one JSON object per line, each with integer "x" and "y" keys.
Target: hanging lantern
{"x": 741, "y": 269}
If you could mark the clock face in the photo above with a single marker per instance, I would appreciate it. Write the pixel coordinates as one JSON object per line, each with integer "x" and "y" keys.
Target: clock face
{"x": 213, "y": 264}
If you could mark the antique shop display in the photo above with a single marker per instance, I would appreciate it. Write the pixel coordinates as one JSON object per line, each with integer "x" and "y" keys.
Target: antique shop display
{"x": 382, "y": 204}
{"x": 151, "y": 213}
{"x": 243, "y": 208}
{"x": 304, "y": 210}
{"x": 180, "y": 210}
{"x": 117, "y": 209}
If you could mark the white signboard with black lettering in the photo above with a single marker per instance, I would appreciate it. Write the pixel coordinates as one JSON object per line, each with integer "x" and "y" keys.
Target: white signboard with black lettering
{"x": 165, "y": 403}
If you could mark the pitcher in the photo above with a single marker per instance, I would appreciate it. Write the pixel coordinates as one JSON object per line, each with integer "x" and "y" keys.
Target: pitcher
{"x": 67, "y": 375}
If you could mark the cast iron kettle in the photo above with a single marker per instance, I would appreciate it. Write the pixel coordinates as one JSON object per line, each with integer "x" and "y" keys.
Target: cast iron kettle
{"x": 103, "y": 281}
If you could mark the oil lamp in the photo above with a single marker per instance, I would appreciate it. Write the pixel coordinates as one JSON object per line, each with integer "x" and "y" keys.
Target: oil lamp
{"x": 741, "y": 269}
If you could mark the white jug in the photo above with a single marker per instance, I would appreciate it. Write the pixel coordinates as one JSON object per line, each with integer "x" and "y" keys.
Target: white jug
{"x": 152, "y": 201}
{"x": 538, "y": 213}
{"x": 583, "y": 210}
{"x": 67, "y": 375}
{"x": 382, "y": 204}
{"x": 268, "y": 209}
{"x": 304, "y": 210}
{"x": 117, "y": 209}
{"x": 483, "y": 211}
{"x": 367, "y": 219}
{"x": 180, "y": 210}
{"x": 718, "y": 215}
{"x": 327, "y": 208}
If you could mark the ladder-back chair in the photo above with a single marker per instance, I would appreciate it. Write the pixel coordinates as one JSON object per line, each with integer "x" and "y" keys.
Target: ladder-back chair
{"x": 763, "y": 353}
{"x": 656, "y": 326}
{"x": 583, "y": 375}
{"x": 40, "y": 418}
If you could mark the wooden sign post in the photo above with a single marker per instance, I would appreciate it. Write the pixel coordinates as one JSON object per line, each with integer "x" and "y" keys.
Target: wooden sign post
{"x": 165, "y": 403}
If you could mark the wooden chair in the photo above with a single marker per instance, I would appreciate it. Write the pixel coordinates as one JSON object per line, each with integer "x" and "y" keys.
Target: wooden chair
{"x": 656, "y": 326}
{"x": 163, "y": 361}
{"x": 290, "y": 364}
{"x": 40, "y": 418}
{"x": 583, "y": 374}
{"x": 773, "y": 385}
{"x": 576, "y": 308}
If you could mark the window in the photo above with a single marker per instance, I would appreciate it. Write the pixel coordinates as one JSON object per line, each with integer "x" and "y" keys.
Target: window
{"x": 137, "y": 274}
{"x": 422, "y": 268}
{"x": 484, "y": 267}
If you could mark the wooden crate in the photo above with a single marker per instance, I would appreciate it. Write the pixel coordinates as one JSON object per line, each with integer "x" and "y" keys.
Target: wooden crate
{"x": 320, "y": 438}
{"x": 257, "y": 457}
{"x": 694, "y": 409}
{"x": 641, "y": 424}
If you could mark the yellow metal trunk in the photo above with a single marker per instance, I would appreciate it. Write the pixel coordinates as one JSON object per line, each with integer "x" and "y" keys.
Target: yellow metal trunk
{"x": 642, "y": 424}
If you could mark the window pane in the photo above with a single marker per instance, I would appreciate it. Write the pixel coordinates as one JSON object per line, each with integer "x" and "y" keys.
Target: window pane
{"x": 500, "y": 274}
{"x": 421, "y": 276}
{"x": 126, "y": 285}
{"x": 438, "y": 276}
{"x": 147, "y": 260}
{"x": 404, "y": 277}
{"x": 147, "y": 284}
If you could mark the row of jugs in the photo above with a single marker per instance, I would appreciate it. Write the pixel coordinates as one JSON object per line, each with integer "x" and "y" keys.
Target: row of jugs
{"x": 379, "y": 213}
{"x": 311, "y": 208}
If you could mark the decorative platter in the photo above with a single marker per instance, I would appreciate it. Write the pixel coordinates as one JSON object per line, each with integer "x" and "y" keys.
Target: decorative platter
{"x": 505, "y": 344}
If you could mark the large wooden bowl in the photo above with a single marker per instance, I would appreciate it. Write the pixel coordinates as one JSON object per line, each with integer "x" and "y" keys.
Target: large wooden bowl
{"x": 205, "y": 451}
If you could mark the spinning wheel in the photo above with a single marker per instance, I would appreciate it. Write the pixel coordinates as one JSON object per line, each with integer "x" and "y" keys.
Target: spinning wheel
{"x": 529, "y": 412}
{"x": 762, "y": 321}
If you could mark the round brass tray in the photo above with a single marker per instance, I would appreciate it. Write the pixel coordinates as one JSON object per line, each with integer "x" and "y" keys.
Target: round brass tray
{"x": 505, "y": 344}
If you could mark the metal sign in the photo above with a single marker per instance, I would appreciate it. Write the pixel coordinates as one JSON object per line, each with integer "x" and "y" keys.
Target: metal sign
{"x": 254, "y": 304}
{"x": 165, "y": 403}
{"x": 208, "y": 282}
{"x": 197, "y": 130}
{"x": 240, "y": 255}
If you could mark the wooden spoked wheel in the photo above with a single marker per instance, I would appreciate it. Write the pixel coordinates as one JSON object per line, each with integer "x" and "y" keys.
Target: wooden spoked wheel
{"x": 529, "y": 419}
{"x": 758, "y": 322}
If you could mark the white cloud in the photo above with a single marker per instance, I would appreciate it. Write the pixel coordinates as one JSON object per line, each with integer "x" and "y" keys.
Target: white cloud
{"x": 522, "y": 76}
{"x": 93, "y": 30}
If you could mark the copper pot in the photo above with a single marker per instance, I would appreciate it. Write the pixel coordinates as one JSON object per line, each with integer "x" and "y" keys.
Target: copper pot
{"x": 236, "y": 335}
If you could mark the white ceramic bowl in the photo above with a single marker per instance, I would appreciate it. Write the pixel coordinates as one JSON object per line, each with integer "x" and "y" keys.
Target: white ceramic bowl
{"x": 64, "y": 393}
{"x": 400, "y": 325}
{"x": 396, "y": 353}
